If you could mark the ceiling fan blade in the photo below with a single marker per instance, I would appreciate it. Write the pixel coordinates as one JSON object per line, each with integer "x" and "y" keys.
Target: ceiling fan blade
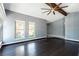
{"x": 53, "y": 5}
{"x": 59, "y": 4}
{"x": 64, "y": 6}
{"x": 45, "y": 9}
{"x": 49, "y": 12}
{"x": 49, "y": 4}
{"x": 54, "y": 12}
{"x": 62, "y": 12}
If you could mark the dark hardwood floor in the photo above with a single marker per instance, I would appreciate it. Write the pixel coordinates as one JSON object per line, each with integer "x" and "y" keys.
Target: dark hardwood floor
{"x": 43, "y": 47}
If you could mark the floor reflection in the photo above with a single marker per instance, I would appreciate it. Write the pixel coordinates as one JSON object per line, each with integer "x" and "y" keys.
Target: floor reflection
{"x": 20, "y": 50}
{"x": 31, "y": 49}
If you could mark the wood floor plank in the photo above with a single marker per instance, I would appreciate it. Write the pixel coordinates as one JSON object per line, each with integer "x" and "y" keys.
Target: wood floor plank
{"x": 42, "y": 47}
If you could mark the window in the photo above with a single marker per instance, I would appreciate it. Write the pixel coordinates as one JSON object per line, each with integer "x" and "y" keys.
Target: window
{"x": 20, "y": 29}
{"x": 31, "y": 29}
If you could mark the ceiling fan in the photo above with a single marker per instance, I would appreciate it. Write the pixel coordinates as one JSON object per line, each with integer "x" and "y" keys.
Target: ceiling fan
{"x": 55, "y": 7}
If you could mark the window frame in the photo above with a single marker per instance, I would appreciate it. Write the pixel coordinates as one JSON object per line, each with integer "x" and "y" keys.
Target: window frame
{"x": 20, "y": 29}
{"x": 33, "y": 29}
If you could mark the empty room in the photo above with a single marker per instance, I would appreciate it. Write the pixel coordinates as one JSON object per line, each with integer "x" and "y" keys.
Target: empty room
{"x": 39, "y": 29}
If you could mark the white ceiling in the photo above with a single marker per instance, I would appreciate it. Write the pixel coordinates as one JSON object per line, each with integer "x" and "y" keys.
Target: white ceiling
{"x": 34, "y": 9}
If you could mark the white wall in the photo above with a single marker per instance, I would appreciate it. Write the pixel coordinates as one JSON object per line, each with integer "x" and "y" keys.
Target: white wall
{"x": 56, "y": 29}
{"x": 67, "y": 27}
{"x": 72, "y": 26}
{"x": 9, "y": 26}
{"x": 2, "y": 18}
{"x": 1, "y": 29}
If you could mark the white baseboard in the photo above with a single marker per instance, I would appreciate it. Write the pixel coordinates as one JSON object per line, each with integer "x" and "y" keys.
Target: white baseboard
{"x": 71, "y": 39}
{"x": 50, "y": 35}
{"x": 23, "y": 40}
{"x": 40, "y": 37}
